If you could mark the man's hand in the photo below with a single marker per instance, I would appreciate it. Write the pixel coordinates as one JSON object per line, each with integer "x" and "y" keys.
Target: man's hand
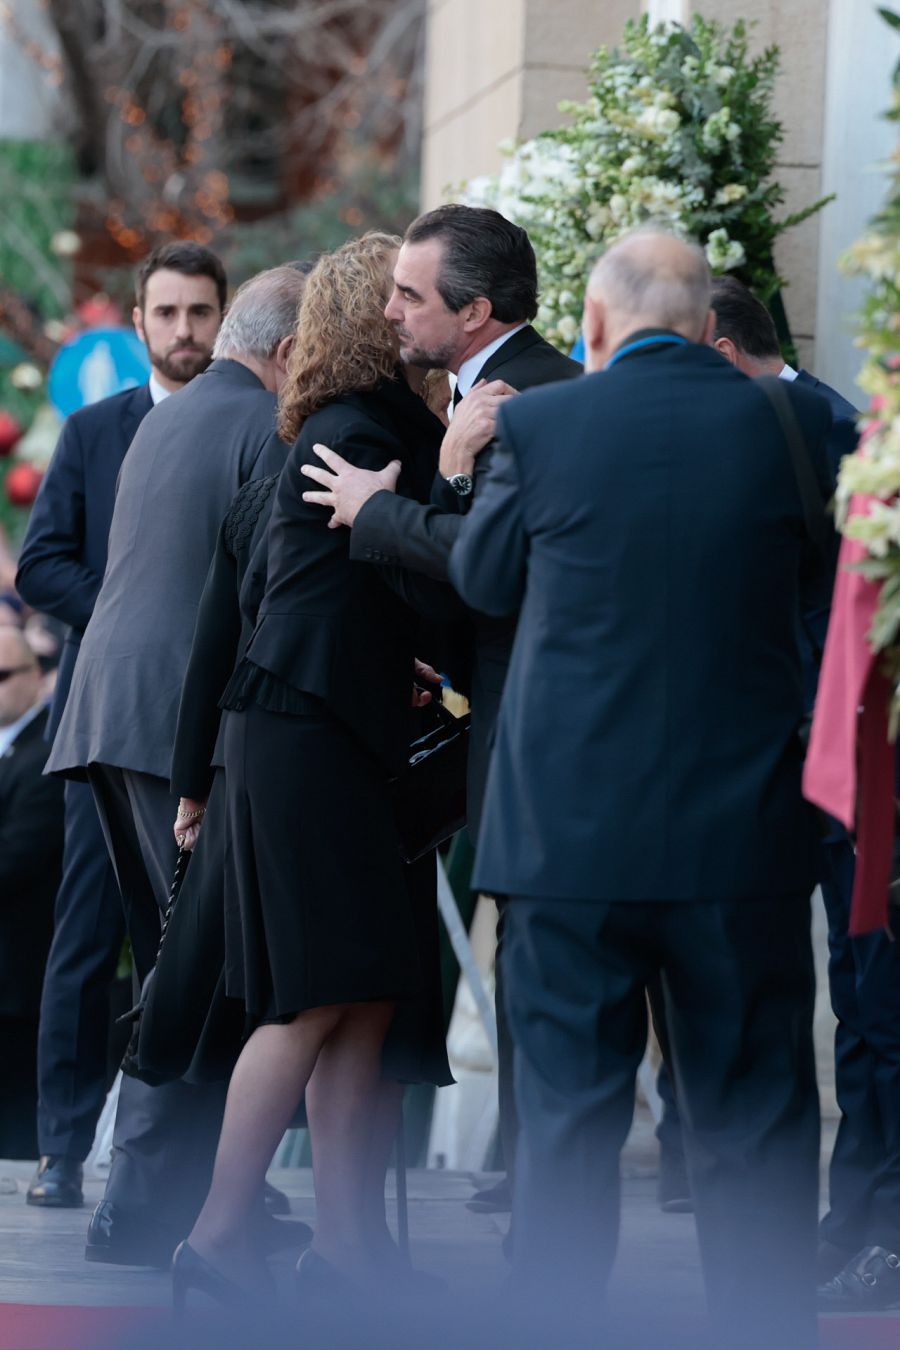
{"x": 427, "y": 674}
{"x": 348, "y": 488}
{"x": 472, "y": 426}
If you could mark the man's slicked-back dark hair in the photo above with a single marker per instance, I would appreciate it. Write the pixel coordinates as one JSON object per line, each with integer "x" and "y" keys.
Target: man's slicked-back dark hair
{"x": 743, "y": 319}
{"x": 484, "y": 255}
{"x": 181, "y": 255}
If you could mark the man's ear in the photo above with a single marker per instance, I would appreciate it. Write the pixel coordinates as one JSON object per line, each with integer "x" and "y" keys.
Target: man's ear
{"x": 478, "y": 311}
{"x": 593, "y": 327}
{"x": 283, "y": 352}
{"x": 725, "y": 347}
{"x": 137, "y": 319}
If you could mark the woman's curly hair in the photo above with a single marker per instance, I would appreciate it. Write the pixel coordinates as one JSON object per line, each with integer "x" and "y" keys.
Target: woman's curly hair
{"x": 343, "y": 341}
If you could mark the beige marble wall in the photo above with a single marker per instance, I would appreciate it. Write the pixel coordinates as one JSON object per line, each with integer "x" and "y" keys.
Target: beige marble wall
{"x": 498, "y": 68}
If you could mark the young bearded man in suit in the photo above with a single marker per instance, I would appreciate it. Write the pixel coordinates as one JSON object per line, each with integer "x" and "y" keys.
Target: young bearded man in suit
{"x": 644, "y": 814}
{"x": 31, "y": 843}
{"x": 179, "y": 301}
{"x": 465, "y": 292}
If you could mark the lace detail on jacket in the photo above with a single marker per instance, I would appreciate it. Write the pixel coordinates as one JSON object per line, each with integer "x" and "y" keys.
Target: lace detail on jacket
{"x": 245, "y": 511}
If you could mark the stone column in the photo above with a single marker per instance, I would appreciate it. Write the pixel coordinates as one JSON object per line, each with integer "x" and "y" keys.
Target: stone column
{"x": 496, "y": 70}
{"x": 862, "y": 51}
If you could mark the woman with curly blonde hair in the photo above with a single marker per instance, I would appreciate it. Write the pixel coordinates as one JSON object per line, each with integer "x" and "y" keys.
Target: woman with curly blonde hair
{"x": 321, "y": 939}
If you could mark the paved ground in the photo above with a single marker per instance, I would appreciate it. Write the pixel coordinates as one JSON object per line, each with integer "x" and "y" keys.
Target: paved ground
{"x": 658, "y": 1268}
{"x": 41, "y": 1252}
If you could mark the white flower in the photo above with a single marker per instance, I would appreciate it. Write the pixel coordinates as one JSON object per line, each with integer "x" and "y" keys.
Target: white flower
{"x": 722, "y": 75}
{"x": 723, "y": 253}
{"x": 596, "y": 222}
{"x": 731, "y": 192}
{"x": 658, "y": 122}
{"x": 618, "y": 207}
{"x": 567, "y": 328}
{"x": 633, "y": 164}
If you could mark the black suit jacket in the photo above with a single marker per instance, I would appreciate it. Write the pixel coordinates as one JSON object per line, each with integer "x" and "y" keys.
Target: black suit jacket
{"x": 842, "y": 440}
{"x": 393, "y": 531}
{"x": 844, "y": 432}
{"x": 31, "y": 844}
{"x": 327, "y": 625}
{"x": 648, "y": 522}
{"x": 226, "y": 618}
{"x": 63, "y": 557}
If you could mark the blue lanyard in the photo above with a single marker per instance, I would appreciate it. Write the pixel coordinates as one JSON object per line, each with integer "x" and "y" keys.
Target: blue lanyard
{"x": 664, "y": 339}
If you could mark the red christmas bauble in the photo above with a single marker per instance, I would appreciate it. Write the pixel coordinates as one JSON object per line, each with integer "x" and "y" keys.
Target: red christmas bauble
{"x": 10, "y": 432}
{"x": 22, "y": 483}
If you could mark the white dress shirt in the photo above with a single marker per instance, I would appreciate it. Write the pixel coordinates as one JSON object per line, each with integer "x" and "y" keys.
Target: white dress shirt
{"x": 788, "y": 373}
{"x": 157, "y": 392}
{"x": 468, "y": 371}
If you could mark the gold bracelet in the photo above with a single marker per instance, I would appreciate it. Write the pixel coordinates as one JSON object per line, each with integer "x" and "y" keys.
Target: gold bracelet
{"x": 191, "y": 815}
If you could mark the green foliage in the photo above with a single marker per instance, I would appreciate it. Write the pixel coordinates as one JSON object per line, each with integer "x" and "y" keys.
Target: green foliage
{"x": 35, "y": 197}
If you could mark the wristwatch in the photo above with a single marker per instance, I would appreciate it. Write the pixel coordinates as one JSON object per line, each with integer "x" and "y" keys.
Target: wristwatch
{"x": 461, "y": 484}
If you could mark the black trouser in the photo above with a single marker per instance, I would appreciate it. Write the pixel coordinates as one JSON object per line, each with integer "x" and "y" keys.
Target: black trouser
{"x": 508, "y": 1116}
{"x": 165, "y": 1137}
{"x": 738, "y": 985}
{"x": 18, "y": 1093}
{"x": 88, "y": 929}
{"x": 864, "y": 979}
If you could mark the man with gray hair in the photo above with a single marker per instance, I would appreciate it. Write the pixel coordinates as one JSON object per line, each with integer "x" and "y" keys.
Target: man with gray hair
{"x": 185, "y": 464}
{"x": 643, "y": 815}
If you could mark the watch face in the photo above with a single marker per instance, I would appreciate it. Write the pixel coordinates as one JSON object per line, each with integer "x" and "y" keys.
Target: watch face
{"x": 461, "y": 483}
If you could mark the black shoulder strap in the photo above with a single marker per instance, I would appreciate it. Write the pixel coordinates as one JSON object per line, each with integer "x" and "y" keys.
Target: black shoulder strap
{"x": 810, "y": 493}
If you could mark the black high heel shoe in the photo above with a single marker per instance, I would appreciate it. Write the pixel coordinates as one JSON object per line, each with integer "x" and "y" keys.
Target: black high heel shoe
{"x": 315, "y": 1277}
{"x": 191, "y": 1271}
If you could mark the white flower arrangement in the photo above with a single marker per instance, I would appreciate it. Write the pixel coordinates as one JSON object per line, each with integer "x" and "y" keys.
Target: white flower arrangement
{"x": 677, "y": 129}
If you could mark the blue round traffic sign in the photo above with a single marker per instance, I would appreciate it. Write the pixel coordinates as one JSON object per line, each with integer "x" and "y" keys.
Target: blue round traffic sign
{"x": 95, "y": 364}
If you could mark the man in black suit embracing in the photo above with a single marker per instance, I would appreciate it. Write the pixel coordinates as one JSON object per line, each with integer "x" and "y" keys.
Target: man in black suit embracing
{"x": 179, "y": 302}
{"x": 643, "y": 812}
{"x": 465, "y": 291}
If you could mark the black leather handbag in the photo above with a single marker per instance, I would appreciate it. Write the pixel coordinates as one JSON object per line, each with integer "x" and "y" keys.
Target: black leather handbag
{"x": 430, "y": 795}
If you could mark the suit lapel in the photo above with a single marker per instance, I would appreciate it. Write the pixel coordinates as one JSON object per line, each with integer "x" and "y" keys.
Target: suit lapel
{"x": 135, "y": 411}
{"x": 514, "y": 346}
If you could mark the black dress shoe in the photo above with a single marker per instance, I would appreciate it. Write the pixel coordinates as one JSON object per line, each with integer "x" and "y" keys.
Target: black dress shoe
{"x": 673, "y": 1189}
{"x": 276, "y": 1201}
{"x": 57, "y": 1183}
{"x": 830, "y": 1260}
{"x": 496, "y": 1199}
{"x": 869, "y": 1282}
{"x": 122, "y": 1237}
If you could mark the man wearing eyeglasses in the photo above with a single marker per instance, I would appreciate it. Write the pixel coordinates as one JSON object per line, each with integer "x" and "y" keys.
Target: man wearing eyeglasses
{"x": 31, "y": 841}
